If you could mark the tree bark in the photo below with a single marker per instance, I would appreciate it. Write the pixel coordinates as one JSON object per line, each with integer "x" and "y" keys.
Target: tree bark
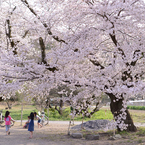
{"x": 116, "y": 111}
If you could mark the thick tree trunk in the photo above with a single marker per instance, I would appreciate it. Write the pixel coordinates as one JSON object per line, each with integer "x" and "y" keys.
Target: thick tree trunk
{"x": 116, "y": 111}
{"x": 60, "y": 111}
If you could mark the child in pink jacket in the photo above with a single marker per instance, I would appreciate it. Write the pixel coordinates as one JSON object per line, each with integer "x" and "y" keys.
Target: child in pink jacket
{"x": 8, "y": 122}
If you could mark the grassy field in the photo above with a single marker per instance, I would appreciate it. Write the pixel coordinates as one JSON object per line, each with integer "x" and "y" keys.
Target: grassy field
{"x": 138, "y": 115}
{"x": 53, "y": 114}
{"x": 15, "y": 112}
{"x": 104, "y": 113}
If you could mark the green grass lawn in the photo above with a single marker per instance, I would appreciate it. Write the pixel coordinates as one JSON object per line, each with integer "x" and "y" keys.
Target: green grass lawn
{"x": 104, "y": 113}
{"x": 54, "y": 115}
{"x": 15, "y": 112}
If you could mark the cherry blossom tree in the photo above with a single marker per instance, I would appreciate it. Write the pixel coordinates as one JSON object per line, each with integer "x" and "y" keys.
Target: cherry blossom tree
{"x": 110, "y": 28}
{"x": 98, "y": 45}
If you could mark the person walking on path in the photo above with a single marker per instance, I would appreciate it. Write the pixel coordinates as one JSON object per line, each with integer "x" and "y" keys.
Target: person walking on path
{"x": 31, "y": 125}
{"x": 38, "y": 118}
{"x": 8, "y": 120}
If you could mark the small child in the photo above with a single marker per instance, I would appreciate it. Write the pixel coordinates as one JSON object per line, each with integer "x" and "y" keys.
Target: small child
{"x": 27, "y": 123}
{"x": 38, "y": 118}
{"x": 31, "y": 124}
{"x": 8, "y": 120}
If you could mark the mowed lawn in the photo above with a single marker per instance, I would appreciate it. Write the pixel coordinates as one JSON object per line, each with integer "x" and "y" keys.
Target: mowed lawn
{"x": 104, "y": 113}
{"x": 138, "y": 115}
{"x": 15, "y": 112}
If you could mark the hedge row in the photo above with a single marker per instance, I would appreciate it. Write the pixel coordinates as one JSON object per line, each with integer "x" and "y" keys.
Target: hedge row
{"x": 136, "y": 107}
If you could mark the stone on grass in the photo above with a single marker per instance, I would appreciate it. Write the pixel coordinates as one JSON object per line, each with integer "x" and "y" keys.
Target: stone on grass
{"x": 114, "y": 137}
{"x": 111, "y": 138}
{"x": 77, "y": 135}
{"x": 117, "y": 136}
{"x": 92, "y": 137}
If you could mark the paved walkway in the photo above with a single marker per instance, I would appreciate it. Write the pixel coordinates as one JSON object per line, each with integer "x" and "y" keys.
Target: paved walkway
{"x": 75, "y": 122}
{"x": 53, "y": 134}
{"x": 55, "y": 122}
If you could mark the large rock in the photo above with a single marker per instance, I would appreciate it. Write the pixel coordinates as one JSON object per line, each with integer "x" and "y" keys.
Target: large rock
{"x": 95, "y": 125}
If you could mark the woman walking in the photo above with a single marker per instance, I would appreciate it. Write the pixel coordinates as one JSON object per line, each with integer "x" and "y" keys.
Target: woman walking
{"x": 31, "y": 124}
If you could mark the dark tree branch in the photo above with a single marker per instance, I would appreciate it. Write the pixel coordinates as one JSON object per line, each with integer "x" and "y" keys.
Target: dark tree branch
{"x": 60, "y": 107}
{"x": 13, "y": 10}
{"x": 53, "y": 69}
{"x": 96, "y": 63}
{"x": 43, "y": 56}
{"x": 113, "y": 36}
{"x": 44, "y": 24}
{"x": 42, "y": 46}
{"x": 26, "y": 32}
{"x": 9, "y": 37}
{"x": 9, "y": 34}
{"x": 95, "y": 109}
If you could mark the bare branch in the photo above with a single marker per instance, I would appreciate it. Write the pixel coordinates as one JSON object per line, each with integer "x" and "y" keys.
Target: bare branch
{"x": 44, "y": 24}
{"x": 95, "y": 62}
{"x": 8, "y": 34}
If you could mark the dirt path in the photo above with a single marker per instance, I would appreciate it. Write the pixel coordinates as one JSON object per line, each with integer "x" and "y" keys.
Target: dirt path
{"x": 54, "y": 134}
